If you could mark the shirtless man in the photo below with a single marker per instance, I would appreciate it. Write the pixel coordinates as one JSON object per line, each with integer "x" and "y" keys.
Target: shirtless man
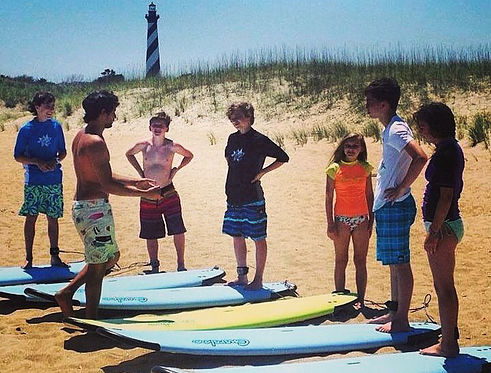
{"x": 91, "y": 210}
{"x": 158, "y": 154}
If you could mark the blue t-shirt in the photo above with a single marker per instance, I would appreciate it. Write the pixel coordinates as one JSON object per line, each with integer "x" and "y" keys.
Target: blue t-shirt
{"x": 43, "y": 140}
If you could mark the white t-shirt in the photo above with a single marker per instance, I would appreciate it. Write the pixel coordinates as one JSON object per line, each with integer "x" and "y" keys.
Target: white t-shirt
{"x": 395, "y": 161}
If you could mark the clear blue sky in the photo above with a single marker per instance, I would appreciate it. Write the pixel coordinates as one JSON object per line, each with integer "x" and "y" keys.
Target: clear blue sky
{"x": 55, "y": 39}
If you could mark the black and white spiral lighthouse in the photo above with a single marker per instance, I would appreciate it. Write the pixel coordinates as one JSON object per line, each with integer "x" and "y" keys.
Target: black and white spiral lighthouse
{"x": 153, "y": 59}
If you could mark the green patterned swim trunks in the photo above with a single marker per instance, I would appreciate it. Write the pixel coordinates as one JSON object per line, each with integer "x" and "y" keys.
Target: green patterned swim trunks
{"x": 95, "y": 225}
{"x": 45, "y": 199}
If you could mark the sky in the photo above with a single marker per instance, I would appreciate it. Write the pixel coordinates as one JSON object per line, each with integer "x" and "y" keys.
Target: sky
{"x": 71, "y": 39}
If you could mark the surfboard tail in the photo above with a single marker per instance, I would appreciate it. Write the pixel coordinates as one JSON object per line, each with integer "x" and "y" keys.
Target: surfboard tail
{"x": 127, "y": 340}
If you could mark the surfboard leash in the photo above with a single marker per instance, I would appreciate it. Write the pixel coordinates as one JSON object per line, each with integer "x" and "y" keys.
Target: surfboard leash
{"x": 424, "y": 306}
{"x": 118, "y": 270}
{"x": 392, "y": 306}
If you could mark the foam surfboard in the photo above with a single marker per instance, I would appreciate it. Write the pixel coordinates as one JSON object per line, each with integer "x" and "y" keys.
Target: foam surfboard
{"x": 181, "y": 298}
{"x": 191, "y": 278}
{"x": 39, "y": 274}
{"x": 470, "y": 360}
{"x": 279, "y": 312}
{"x": 272, "y": 341}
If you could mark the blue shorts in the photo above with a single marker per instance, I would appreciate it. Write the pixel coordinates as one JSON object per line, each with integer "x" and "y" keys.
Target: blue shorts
{"x": 393, "y": 223}
{"x": 45, "y": 199}
{"x": 249, "y": 220}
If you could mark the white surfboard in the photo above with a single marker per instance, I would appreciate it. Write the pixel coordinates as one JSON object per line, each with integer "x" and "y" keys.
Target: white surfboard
{"x": 272, "y": 341}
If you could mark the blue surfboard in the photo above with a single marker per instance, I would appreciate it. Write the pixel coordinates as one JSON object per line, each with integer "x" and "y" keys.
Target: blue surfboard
{"x": 470, "y": 360}
{"x": 272, "y": 341}
{"x": 179, "y": 298}
{"x": 195, "y": 277}
{"x": 39, "y": 274}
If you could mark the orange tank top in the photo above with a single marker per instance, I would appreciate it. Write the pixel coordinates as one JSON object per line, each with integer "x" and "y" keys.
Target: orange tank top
{"x": 350, "y": 180}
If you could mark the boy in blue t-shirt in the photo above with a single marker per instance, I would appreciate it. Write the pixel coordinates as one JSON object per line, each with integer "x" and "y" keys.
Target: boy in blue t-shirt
{"x": 40, "y": 147}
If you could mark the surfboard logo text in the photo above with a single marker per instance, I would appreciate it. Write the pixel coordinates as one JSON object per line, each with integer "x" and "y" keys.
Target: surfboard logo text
{"x": 122, "y": 300}
{"x": 215, "y": 342}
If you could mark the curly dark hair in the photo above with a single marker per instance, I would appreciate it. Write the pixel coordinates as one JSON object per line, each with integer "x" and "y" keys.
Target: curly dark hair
{"x": 97, "y": 101}
{"x": 41, "y": 97}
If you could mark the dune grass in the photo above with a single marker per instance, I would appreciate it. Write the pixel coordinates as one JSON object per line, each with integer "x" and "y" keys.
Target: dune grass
{"x": 290, "y": 80}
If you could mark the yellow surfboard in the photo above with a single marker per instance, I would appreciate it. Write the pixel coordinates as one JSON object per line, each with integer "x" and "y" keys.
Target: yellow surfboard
{"x": 256, "y": 315}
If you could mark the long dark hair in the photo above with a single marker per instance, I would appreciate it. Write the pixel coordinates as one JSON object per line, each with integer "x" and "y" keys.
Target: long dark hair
{"x": 338, "y": 154}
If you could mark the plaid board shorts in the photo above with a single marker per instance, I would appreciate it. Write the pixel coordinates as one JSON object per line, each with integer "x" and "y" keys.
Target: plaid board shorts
{"x": 153, "y": 213}
{"x": 248, "y": 220}
{"x": 45, "y": 199}
{"x": 393, "y": 224}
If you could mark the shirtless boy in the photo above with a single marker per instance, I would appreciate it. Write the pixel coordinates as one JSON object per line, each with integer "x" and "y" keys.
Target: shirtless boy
{"x": 158, "y": 155}
{"x": 91, "y": 210}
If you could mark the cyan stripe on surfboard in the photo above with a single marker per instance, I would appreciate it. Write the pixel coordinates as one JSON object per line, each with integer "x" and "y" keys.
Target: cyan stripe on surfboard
{"x": 191, "y": 278}
{"x": 181, "y": 298}
{"x": 470, "y": 360}
{"x": 39, "y": 274}
{"x": 272, "y": 341}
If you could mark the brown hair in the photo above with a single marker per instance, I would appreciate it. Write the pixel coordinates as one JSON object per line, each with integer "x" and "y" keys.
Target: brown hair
{"x": 385, "y": 89}
{"x": 161, "y": 116}
{"x": 439, "y": 118}
{"x": 338, "y": 154}
{"x": 244, "y": 108}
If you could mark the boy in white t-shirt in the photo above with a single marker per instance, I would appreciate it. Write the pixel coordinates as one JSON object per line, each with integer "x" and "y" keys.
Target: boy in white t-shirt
{"x": 394, "y": 207}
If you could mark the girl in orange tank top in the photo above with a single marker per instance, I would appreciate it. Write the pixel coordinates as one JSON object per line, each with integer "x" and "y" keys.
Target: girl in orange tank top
{"x": 349, "y": 200}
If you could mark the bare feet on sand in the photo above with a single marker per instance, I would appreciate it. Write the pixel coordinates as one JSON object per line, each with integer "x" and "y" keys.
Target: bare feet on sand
{"x": 394, "y": 326}
{"x": 440, "y": 350}
{"x": 64, "y": 300}
{"x": 384, "y": 319}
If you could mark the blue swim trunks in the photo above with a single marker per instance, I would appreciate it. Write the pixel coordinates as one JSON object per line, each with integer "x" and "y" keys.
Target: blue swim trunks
{"x": 393, "y": 223}
{"x": 249, "y": 220}
{"x": 45, "y": 199}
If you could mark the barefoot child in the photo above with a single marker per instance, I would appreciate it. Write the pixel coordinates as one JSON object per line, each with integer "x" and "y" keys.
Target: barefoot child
{"x": 40, "y": 147}
{"x": 158, "y": 153}
{"x": 394, "y": 206}
{"x": 351, "y": 217}
{"x": 91, "y": 211}
{"x": 245, "y": 216}
{"x": 441, "y": 216}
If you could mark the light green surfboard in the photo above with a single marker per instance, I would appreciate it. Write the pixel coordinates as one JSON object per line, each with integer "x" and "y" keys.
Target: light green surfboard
{"x": 280, "y": 312}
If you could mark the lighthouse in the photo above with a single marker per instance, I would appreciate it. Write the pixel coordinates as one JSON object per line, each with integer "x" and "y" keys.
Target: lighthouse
{"x": 153, "y": 59}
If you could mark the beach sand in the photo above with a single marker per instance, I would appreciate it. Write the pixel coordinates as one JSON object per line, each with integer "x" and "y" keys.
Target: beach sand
{"x": 34, "y": 339}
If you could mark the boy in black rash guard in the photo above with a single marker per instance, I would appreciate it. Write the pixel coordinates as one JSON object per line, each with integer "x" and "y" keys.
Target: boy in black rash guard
{"x": 246, "y": 152}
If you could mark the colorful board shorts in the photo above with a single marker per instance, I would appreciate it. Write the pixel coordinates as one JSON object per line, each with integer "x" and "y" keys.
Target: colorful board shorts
{"x": 95, "y": 225}
{"x": 455, "y": 227}
{"x": 249, "y": 220}
{"x": 393, "y": 224}
{"x": 151, "y": 213}
{"x": 45, "y": 199}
